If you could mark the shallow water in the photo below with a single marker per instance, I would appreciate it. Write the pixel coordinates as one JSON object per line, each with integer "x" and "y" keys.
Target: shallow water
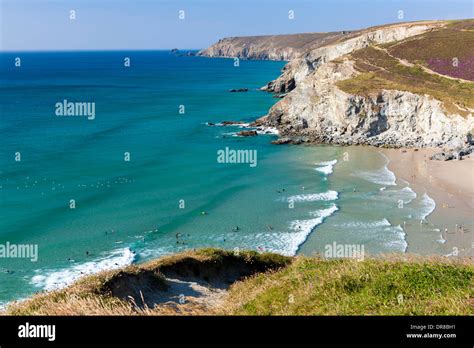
{"x": 173, "y": 194}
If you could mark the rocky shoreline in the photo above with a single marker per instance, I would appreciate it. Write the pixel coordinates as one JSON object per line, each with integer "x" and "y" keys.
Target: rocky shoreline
{"x": 313, "y": 109}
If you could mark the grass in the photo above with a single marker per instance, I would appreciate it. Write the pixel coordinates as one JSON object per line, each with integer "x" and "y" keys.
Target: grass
{"x": 378, "y": 70}
{"x": 347, "y": 287}
{"x": 394, "y": 285}
{"x": 437, "y": 49}
{"x": 94, "y": 294}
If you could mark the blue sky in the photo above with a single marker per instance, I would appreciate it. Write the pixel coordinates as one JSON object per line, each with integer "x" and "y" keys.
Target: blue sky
{"x": 154, "y": 24}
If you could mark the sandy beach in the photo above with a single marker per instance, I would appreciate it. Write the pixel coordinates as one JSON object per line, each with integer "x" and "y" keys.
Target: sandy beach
{"x": 450, "y": 184}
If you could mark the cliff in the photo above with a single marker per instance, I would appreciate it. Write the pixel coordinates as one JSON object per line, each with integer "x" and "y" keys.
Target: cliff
{"x": 219, "y": 282}
{"x": 399, "y": 85}
{"x": 270, "y": 47}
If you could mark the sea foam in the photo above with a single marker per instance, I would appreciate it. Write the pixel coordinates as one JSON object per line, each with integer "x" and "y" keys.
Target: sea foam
{"x": 382, "y": 176}
{"x": 399, "y": 242}
{"x": 56, "y": 279}
{"x": 303, "y": 228}
{"x": 427, "y": 206}
{"x": 285, "y": 242}
{"x": 326, "y": 167}
{"x": 312, "y": 197}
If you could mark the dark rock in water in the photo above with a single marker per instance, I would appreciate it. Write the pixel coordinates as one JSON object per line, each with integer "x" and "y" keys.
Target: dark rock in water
{"x": 230, "y": 123}
{"x": 177, "y": 53}
{"x": 239, "y": 90}
{"x": 281, "y": 141}
{"x": 247, "y": 133}
{"x": 256, "y": 123}
{"x": 295, "y": 140}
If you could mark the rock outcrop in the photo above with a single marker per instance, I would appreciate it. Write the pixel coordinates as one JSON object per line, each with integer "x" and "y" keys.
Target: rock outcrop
{"x": 315, "y": 109}
{"x": 296, "y": 70}
{"x": 318, "y": 111}
{"x": 270, "y": 47}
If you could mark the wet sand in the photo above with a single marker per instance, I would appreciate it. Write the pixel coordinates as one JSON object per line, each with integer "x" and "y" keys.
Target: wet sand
{"x": 450, "y": 184}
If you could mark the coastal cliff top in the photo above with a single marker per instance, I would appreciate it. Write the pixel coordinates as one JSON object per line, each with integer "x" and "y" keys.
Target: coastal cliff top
{"x": 220, "y": 282}
{"x": 289, "y": 46}
{"x": 271, "y": 47}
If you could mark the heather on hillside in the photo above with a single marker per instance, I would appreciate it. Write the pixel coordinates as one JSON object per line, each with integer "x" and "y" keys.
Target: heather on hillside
{"x": 463, "y": 69}
{"x": 447, "y": 51}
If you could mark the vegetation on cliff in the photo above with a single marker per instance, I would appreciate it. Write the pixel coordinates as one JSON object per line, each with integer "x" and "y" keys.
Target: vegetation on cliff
{"x": 218, "y": 282}
{"x": 405, "y": 66}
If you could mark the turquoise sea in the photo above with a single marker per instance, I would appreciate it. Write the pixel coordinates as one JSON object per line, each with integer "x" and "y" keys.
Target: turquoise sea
{"x": 172, "y": 194}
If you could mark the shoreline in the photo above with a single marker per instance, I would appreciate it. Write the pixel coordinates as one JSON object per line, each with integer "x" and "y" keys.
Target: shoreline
{"x": 450, "y": 184}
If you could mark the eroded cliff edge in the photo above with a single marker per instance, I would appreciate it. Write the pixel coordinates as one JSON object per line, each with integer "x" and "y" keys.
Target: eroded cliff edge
{"x": 270, "y": 47}
{"x": 399, "y": 85}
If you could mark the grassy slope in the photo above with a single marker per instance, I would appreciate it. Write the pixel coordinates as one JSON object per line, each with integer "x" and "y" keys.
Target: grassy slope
{"x": 297, "y": 286}
{"x": 456, "y": 40}
{"x": 348, "y": 287}
{"x": 380, "y": 69}
{"x": 91, "y": 295}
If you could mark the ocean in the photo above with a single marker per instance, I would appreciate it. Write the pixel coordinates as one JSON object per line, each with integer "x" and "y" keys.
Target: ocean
{"x": 142, "y": 177}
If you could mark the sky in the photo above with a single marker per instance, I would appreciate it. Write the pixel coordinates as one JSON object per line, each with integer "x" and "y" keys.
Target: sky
{"x": 37, "y": 25}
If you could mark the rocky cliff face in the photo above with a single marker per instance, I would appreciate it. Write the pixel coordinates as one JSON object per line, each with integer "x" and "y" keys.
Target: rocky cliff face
{"x": 275, "y": 47}
{"x": 297, "y": 69}
{"x": 318, "y": 111}
{"x": 315, "y": 109}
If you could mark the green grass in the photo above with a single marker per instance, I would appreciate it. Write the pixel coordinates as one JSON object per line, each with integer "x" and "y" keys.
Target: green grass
{"x": 378, "y": 70}
{"x": 92, "y": 295}
{"x": 347, "y": 287}
{"x": 393, "y": 285}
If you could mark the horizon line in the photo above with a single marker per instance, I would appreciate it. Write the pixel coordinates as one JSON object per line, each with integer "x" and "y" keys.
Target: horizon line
{"x": 241, "y": 36}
